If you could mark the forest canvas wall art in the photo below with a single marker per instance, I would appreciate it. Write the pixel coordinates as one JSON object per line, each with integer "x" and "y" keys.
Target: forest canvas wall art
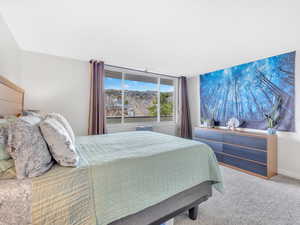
{"x": 250, "y": 91}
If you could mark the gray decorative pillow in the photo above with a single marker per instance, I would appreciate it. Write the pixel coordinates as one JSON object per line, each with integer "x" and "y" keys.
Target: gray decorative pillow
{"x": 59, "y": 142}
{"x": 64, "y": 123}
{"x": 28, "y": 148}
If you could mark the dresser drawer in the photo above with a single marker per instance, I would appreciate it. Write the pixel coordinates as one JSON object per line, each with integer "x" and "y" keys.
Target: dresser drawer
{"x": 259, "y": 156}
{"x": 217, "y": 147}
{"x": 209, "y": 134}
{"x": 248, "y": 141}
{"x": 246, "y": 165}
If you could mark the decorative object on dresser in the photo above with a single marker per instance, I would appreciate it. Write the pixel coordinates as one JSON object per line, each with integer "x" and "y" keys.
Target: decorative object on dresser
{"x": 253, "y": 153}
{"x": 233, "y": 123}
{"x": 208, "y": 123}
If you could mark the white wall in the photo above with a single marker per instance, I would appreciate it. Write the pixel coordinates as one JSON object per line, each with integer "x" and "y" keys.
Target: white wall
{"x": 56, "y": 84}
{"x": 288, "y": 142}
{"x": 193, "y": 87}
{"x": 9, "y": 54}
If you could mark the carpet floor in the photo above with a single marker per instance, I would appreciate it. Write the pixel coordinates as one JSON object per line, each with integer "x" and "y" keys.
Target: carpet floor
{"x": 249, "y": 200}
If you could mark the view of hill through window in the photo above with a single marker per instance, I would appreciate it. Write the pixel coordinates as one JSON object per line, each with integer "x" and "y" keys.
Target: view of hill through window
{"x": 141, "y": 96}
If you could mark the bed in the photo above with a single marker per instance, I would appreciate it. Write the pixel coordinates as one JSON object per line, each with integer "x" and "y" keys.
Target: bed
{"x": 129, "y": 178}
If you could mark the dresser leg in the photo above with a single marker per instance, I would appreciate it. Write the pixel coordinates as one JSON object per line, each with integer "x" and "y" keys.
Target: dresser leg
{"x": 193, "y": 213}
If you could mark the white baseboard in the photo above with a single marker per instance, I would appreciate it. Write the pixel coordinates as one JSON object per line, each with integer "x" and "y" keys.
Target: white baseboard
{"x": 289, "y": 173}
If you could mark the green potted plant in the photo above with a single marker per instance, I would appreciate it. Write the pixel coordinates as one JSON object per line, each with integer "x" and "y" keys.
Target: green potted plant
{"x": 271, "y": 124}
{"x": 211, "y": 123}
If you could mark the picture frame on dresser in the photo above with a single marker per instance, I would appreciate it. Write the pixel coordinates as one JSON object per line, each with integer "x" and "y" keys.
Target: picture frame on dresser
{"x": 249, "y": 152}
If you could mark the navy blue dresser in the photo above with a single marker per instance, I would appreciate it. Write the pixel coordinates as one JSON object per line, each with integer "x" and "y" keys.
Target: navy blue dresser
{"x": 253, "y": 153}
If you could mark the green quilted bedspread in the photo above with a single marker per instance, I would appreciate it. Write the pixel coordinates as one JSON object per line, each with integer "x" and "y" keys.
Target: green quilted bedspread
{"x": 120, "y": 174}
{"x": 134, "y": 170}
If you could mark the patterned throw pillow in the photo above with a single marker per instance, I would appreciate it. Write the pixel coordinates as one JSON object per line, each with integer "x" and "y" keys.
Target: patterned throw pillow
{"x": 28, "y": 148}
{"x": 63, "y": 121}
{"x": 3, "y": 137}
{"x": 59, "y": 142}
{"x": 7, "y": 169}
{"x": 6, "y": 164}
{"x": 3, "y": 153}
{"x": 8, "y": 174}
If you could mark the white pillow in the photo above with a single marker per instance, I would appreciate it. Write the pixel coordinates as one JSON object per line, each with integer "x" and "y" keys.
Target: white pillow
{"x": 64, "y": 122}
{"x": 59, "y": 142}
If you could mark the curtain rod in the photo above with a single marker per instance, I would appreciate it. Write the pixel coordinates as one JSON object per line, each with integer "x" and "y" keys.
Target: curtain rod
{"x": 157, "y": 74}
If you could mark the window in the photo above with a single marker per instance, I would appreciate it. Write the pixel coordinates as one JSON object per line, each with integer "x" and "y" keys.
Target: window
{"x": 167, "y": 100}
{"x": 140, "y": 95}
{"x": 135, "y": 98}
{"x": 113, "y": 96}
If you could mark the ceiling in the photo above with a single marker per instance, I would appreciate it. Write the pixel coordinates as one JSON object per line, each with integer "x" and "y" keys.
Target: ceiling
{"x": 184, "y": 37}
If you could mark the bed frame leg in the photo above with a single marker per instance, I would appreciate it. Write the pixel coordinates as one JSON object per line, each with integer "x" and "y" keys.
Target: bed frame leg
{"x": 193, "y": 213}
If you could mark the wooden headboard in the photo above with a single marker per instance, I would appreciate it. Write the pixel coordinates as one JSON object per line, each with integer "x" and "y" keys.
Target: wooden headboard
{"x": 11, "y": 98}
